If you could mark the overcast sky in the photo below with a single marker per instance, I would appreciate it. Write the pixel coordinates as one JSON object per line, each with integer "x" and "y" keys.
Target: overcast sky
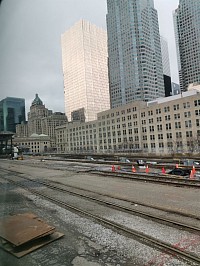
{"x": 30, "y": 51}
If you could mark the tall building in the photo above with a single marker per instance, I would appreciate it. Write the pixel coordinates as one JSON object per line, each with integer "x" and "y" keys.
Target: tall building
{"x": 12, "y": 112}
{"x": 177, "y": 50}
{"x": 84, "y": 59}
{"x": 187, "y": 26}
{"x": 166, "y": 66}
{"x": 134, "y": 50}
{"x": 175, "y": 88}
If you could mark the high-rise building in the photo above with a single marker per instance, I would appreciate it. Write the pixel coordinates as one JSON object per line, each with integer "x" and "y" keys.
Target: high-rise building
{"x": 12, "y": 112}
{"x": 175, "y": 88}
{"x": 177, "y": 50}
{"x": 166, "y": 66}
{"x": 84, "y": 59}
{"x": 134, "y": 51}
{"x": 187, "y": 27}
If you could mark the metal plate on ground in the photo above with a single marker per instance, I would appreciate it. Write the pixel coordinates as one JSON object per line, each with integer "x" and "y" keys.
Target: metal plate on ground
{"x": 22, "y": 228}
{"x": 27, "y": 248}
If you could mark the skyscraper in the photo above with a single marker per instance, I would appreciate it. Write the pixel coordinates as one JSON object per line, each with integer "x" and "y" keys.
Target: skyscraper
{"x": 177, "y": 50}
{"x": 12, "y": 112}
{"x": 134, "y": 50}
{"x": 166, "y": 66}
{"x": 84, "y": 58}
{"x": 187, "y": 26}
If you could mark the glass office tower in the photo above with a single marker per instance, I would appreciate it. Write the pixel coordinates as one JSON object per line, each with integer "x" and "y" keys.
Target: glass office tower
{"x": 134, "y": 50}
{"x": 85, "y": 71}
{"x": 12, "y": 112}
{"x": 187, "y": 30}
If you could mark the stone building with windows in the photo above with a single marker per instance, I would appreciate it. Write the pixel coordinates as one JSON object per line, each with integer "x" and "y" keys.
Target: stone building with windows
{"x": 41, "y": 121}
{"x": 162, "y": 126}
{"x": 35, "y": 144}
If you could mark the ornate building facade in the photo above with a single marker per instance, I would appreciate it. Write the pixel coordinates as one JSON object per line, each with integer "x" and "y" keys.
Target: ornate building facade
{"x": 41, "y": 122}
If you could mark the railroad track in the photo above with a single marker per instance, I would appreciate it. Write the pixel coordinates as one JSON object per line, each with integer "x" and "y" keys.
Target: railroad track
{"x": 163, "y": 179}
{"x": 153, "y": 178}
{"x": 114, "y": 205}
{"x": 161, "y": 245}
{"x": 165, "y": 210}
{"x": 156, "y": 166}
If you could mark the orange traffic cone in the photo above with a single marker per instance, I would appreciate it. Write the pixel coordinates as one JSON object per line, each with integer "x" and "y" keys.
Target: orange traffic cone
{"x": 191, "y": 175}
{"x": 193, "y": 170}
{"x": 113, "y": 168}
{"x": 176, "y": 165}
{"x": 133, "y": 169}
{"x": 163, "y": 170}
{"x": 147, "y": 169}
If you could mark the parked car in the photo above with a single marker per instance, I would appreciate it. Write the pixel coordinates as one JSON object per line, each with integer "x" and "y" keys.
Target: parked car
{"x": 180, "y": 172}
{"x": 124, "y": 160}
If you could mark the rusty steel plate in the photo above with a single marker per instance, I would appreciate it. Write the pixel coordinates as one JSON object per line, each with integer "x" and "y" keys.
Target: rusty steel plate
{"x": 22, "y": 228}
{"x": 27, "y": 248}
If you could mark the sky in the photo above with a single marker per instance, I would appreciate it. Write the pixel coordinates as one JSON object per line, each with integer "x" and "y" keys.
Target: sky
{"x": 30, "y": 46}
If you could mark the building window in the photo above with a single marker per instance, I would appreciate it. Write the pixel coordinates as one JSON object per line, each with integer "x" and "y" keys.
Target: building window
{"x": 178, "y": 135}
{"x": 144, "y": 129}
{"x": 161, "y": 145}
{"x": 188, "y": 134}
{"x": 177, "y": 116}
{"x": 169, "y": 135}
{"x": 197, "y": 112}
{"x": 176, "y": 107}
{"x": 168, "y": 126}
{"x": 150, "y": 112}
{"x": 153, "y": 145}
{"x": 158, "y": 111}
{"x": 196, "y": 102}
{"x": 187, "y": 114}
{"x": 166, "y": 109}
{"x": 152, "y": 137}
{"x": 188, "y": 123}
{"x": 186, "y": 105}
{"x": 151, "y": 128}
{"x": 177, "y": 124}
